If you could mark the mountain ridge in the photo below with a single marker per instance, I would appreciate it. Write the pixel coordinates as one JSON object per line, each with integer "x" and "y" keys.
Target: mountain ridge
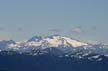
{"x": 55, "y": 45}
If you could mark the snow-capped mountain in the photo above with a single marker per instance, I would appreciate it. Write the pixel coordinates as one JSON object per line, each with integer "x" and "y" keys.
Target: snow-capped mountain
{"x": 56, "y": 45}
{"x": 54, "y": 41}
{"x": 47, "y": 42}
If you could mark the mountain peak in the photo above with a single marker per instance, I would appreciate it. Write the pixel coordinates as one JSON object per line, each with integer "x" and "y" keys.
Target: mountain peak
{"x": 55, "y": 41}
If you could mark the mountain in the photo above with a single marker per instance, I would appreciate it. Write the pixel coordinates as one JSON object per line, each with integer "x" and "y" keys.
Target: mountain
{"x": 54, "y": 41}
{"x": 52, "y": 53}
{"x": 55, "y": 45}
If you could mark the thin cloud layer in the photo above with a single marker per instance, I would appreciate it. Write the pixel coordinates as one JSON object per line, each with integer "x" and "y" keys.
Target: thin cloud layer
{"x": 77, "y": 30}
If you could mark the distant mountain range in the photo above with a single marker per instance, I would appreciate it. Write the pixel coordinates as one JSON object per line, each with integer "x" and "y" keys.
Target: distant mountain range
{"x": 52, "y": 53}
{"x": 55, "y": 45}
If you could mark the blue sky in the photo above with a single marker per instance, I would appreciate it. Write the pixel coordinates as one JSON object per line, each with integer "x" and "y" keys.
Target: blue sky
{"x": 80, "y": 19}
